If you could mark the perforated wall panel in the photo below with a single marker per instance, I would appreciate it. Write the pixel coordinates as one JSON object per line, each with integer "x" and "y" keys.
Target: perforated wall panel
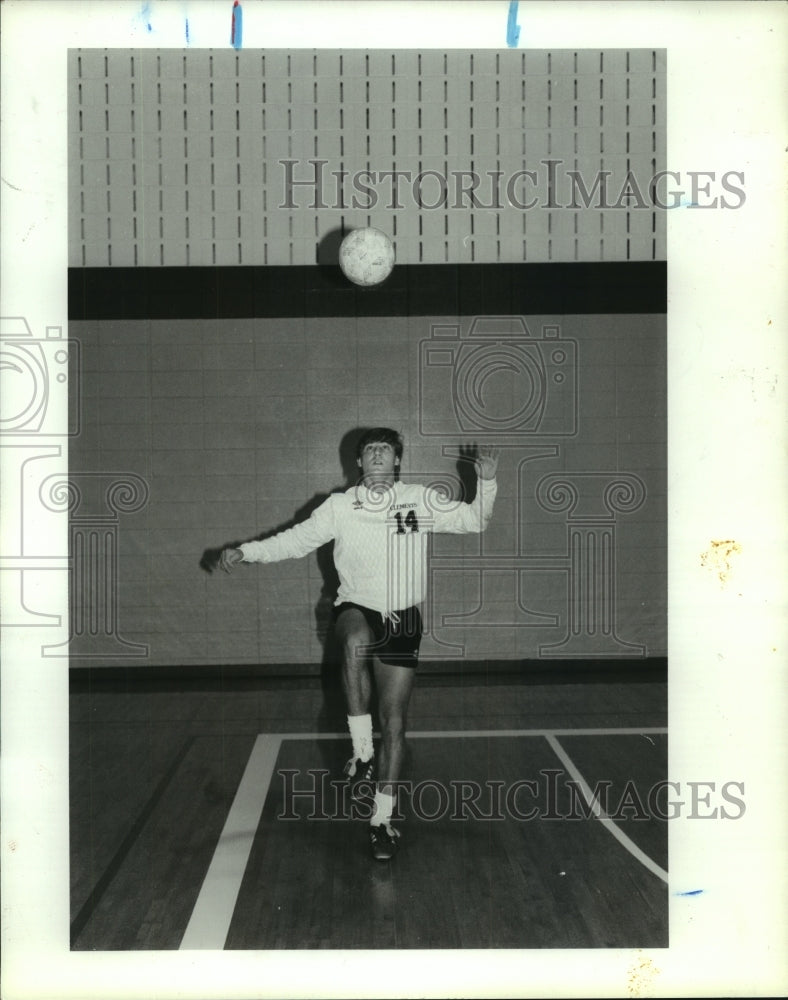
{"x": 262, "y": 157}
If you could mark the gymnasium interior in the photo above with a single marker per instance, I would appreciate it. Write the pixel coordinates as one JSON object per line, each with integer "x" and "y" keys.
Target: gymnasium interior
{"x": 225, "y": 369}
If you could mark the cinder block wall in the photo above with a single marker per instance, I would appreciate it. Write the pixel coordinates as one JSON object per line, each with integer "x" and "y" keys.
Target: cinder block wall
{"x": 240, "y": 426}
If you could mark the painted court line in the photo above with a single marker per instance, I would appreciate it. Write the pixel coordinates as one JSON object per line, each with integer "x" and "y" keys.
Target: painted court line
{"x": 600, "y": 814}
{"x": 624, "y": 731}
{"x": 482, "y": 733}
{"x": 213, "y": 911}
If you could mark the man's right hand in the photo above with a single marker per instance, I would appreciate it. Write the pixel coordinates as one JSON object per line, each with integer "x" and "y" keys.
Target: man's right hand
{"x": 229, "y": 559}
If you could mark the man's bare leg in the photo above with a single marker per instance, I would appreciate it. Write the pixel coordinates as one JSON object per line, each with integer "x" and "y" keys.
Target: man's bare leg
{"x": 394, "y": 686}
{"x": 354, "y": 636}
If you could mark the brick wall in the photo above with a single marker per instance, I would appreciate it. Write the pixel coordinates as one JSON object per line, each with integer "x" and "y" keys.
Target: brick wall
{"x": 239, "y": 426}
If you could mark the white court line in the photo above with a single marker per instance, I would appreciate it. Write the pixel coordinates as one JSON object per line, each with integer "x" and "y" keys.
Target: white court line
{"x": 602, "y": 816}
{"x": 443, "y": 733}
{"x": 624, "y": 731}
{"x": 213, "y": 911}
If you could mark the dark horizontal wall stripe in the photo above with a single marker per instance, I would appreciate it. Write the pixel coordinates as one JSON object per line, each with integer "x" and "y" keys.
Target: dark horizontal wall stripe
{"x": 411, "y": 290}
{"x": 219, "y": 677}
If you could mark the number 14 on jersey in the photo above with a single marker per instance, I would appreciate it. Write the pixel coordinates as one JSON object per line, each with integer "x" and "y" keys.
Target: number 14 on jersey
{"x": 409, "y": 521}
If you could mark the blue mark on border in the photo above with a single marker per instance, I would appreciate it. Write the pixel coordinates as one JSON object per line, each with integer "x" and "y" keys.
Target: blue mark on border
{"x": 186, "y": 27}
{"x": 237, "y": 30}
{"x": 691, "y": 892}
{"x": 512, "y": 27}
{"x": 143, "y": 18}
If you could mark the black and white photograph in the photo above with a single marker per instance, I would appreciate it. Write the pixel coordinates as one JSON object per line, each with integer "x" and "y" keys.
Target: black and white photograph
{"x": 384, "y": 620}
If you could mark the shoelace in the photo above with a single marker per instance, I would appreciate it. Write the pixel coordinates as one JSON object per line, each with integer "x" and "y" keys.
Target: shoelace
{"x": 392, "y": 616}
{"x": 392, "y": 831}
{"x": 355, "y": 764}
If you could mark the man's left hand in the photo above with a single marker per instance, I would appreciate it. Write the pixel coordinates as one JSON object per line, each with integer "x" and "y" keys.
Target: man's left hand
{"x": 486, "y": 461}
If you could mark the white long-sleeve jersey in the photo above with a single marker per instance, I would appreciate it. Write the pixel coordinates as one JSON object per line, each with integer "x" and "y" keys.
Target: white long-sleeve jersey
{"x": 380, "y": 538}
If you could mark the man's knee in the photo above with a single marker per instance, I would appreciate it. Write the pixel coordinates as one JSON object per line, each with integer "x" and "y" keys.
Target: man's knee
{"x": 354, "y": 644}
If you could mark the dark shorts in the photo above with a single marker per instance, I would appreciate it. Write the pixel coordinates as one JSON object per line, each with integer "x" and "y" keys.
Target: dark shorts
{"x": 393, "y": 642}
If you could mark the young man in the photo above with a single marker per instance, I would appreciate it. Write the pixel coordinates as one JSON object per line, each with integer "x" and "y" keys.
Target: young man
{"x": 379, "y": 528}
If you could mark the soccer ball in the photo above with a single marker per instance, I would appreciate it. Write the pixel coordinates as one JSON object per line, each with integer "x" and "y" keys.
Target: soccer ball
{"x": 366, "y": 256}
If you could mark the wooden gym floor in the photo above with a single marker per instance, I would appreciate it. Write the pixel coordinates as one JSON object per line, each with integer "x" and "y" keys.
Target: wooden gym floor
{"x": 205, "y": 813}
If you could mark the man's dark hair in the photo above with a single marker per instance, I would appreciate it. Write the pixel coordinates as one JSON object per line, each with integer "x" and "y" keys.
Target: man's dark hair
{"x": 380, "y": 435}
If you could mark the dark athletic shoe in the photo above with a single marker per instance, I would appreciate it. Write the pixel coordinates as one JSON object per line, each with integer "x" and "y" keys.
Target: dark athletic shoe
{"x": 360, "y": 775}
{"x": 383, "y": 840}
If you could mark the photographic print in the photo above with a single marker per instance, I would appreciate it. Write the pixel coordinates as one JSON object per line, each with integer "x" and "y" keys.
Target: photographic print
{"x": 237, "y": 372}
{"x": 354, "y": 441}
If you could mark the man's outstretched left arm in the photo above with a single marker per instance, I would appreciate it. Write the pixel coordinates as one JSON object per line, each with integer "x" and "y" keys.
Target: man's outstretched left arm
{"x": 459, "y": 517}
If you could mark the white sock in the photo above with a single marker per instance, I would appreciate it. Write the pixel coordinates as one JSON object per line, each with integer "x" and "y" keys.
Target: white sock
{"x": 360, "y": 727}
{"x": 384, "y": 807}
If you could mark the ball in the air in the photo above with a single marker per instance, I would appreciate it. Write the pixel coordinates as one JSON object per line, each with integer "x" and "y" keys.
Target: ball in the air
{"x": 366, "y": 256}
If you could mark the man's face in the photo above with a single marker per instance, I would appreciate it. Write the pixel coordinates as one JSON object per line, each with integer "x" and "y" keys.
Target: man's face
{"x": 378, "y": 459}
